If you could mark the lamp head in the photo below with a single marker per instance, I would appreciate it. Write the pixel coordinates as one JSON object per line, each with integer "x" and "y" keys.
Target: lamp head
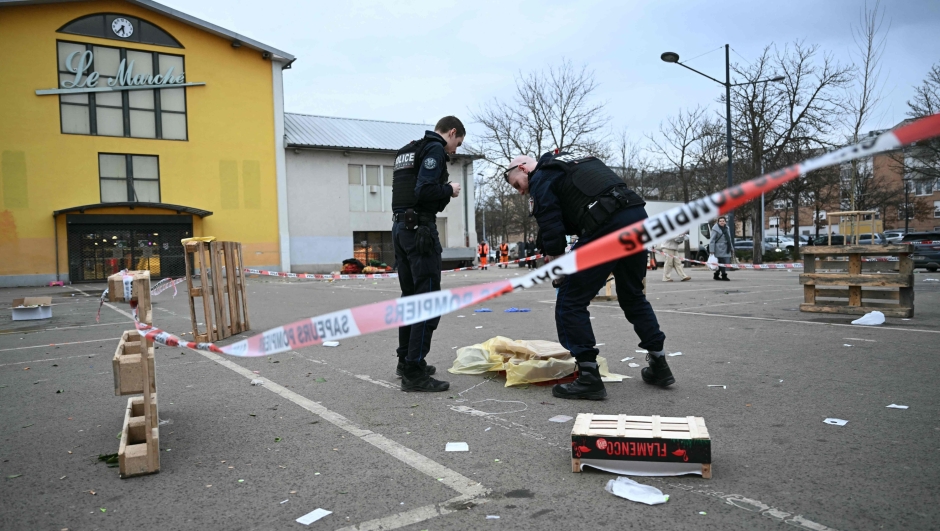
{"x": 670, "y": 57}
{"x": 778, "y": 78}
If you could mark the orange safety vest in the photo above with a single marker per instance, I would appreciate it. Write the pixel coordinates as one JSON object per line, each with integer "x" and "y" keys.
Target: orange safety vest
{"x": 483, "y": 250}
{"x": 504, "y": 249}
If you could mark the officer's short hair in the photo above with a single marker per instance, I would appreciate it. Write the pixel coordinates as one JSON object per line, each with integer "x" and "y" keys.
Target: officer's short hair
{"x": 447, "y": 123}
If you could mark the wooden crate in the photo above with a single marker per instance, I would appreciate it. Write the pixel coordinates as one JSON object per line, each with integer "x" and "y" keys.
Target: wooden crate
{"x": 139, "y": 282}
{"x": 619, "y": 438}
{"x": 126, "y": 364}
{"x": 852, "y": 286}
{"x": 220, "y": 285}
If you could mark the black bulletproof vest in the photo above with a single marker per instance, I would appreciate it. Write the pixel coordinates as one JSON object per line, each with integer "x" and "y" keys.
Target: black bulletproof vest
{"x": 408, "y": 161}
{"x": 585, "y": 179}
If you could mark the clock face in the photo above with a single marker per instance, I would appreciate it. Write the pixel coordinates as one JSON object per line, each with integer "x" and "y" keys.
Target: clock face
{"x": 122, "y": 27}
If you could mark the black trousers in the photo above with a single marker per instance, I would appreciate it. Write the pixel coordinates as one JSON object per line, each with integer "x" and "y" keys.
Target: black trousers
{"x": 572, "y": 318}
{"x": 417, "y": 274}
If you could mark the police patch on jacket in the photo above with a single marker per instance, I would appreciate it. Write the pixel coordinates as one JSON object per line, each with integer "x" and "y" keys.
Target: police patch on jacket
{"x": 430, "y": 163}
{"x": 405, "y": 160}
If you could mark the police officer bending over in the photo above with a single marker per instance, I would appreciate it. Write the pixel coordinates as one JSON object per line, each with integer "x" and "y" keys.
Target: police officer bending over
{"x": 579, "y": 195}
{"x": 420, "y": 190}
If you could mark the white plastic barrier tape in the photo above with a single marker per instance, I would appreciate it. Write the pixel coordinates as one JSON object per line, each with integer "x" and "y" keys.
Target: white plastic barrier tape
{"x": 166, "y": 284}
{"x": 364, "y": 276}
{"x": 630, "y": 240}
{"x": 795, "y": 265}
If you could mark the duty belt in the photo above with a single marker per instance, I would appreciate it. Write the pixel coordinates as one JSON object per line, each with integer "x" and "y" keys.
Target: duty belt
{"x": 422, "y": 218}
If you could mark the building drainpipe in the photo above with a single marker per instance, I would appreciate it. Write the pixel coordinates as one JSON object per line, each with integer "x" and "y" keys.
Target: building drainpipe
{"x": 55, "y": 230}
{"x": 466, "y": 206}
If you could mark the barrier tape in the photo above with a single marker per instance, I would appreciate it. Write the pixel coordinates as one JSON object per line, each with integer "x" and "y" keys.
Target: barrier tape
{"x": 365, "y": 276}
{"x": 795, "y": 265}
{"x": 627, "y": 241}
{"x": 166, "y": 284}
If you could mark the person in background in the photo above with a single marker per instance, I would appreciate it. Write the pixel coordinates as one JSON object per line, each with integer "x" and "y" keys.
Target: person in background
{"x": 672, "y": 260}
{"x": 483, "y": 250}
{"x": 531, "y": 250}
{"x": 504, "y": 255}
{"x": 722, "y": 247}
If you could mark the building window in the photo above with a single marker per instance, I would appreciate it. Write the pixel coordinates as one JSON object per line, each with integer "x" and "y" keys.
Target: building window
{"x": 374, "y": 247}
{"x": 115, "y": 26}
{"x": 936, "y": 209}
{"x": 370, "y": 188}
{"x": 133, "y": 178}
{"x": 923, "y": 187}
{"x": 148, "y": 113}
{"x": 909, "y": 210}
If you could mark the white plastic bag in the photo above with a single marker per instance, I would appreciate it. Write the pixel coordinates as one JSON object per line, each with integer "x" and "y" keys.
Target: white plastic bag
{"x": 870, "y": 319}
{"x": 712, "y": 262}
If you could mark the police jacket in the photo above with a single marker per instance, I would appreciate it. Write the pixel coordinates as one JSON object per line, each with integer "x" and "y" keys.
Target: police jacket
{"x": 563, "y": 186}
{"x": 420, "y": 178}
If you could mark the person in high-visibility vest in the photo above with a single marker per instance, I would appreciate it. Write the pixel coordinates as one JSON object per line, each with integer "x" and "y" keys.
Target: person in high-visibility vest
{"x": 504, "y": 254}
{"x": 483, "y": 250}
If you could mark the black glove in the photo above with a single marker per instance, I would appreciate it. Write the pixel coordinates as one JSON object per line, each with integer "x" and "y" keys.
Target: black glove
{"x": 423, "y": 241}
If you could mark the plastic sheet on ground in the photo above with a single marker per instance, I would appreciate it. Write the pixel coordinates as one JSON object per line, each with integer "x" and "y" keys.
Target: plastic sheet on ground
{"x": 524, "y": 361}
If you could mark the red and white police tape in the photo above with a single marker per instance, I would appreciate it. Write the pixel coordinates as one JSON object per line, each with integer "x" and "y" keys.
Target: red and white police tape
{"x": 322, "y": 276}
{"x": 795, "y": 265}
{"x": 630, "y": 240}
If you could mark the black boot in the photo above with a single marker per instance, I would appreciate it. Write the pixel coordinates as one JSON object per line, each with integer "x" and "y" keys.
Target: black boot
{"x": 416, "y": 379}
{"x": 400, "y": 370}
{"x": 588, "y": 385}
{"x": 715, "y": 276}
{"x": 658, "y": 372}
{"x": 724, "y": 276}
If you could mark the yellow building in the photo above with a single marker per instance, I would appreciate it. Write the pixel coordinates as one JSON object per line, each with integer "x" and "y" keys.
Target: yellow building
{"x": 126, "y": 126}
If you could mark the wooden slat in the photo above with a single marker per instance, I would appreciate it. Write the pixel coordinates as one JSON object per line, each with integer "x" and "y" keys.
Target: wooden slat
{"x": 843, "y": 308}
{"x": 231, "y": 296}
{"x": 809, "y": 294}
{"x": 844, "y": 279}
{"x": 868, "y": 250}
{"x": 866, "y": 294}
{"x": 242, "y": 287}
{"x": 843, "y": 265}
{"x": 693, "y": 428}
{"x": 657, "y": 433}
{"x": 621, "y": 425}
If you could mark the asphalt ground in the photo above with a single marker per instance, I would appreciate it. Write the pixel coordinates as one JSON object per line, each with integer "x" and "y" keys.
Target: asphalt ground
{"x": 329, "y": 429}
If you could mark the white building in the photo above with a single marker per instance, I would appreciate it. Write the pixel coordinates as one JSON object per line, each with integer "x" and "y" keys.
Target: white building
{"x": 339, "y": 191}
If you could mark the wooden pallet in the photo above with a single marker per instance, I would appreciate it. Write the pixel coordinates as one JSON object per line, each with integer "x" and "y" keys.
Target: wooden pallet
{"x": 641, "y": 438}
{"x": 846, "y": 285}
{"x": 220, "y": 285}
{"x": 140, "y": 292}
{"x": 610, "y": 290}
{"x": 127, "y": 362}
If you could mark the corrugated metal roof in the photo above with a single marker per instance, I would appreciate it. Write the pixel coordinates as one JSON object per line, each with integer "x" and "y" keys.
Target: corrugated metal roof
{"x": 306, "y": 130}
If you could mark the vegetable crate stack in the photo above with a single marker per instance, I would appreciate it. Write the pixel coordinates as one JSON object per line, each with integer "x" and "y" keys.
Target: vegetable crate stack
{"x": 134, "y": 374}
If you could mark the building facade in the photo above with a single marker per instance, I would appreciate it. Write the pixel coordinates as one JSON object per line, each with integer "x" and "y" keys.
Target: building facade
{"x": 339, "y": 180}
{"x": 127, "y": 126}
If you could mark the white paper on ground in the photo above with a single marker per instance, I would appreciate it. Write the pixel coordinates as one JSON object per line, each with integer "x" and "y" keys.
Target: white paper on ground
{"x": 628, "y": 358}
{"x": 642, "y": 468}
{"x": 613, "y": 379}
{"x": 479, "y": 327}
{"x": 633, "y": 491}
{"x": 257, "y": 382}
{"x": 457, "y": 447}
{"x": 897, "y": 406}
{"x": 836, "y": 422}
{"x": 566, "y": 418}
{"x": 313, "y": 516}
{"x": 634, "y": 365}
{"x": 675, "y": 354}
{"x": 492, "y": 517}
{"x": 719, "y": 385}
{"x": 846, "y": 345}
{"x": 870, "y": 319}
{"x": 642, "y": 352}
{"x": 331, "y": 343}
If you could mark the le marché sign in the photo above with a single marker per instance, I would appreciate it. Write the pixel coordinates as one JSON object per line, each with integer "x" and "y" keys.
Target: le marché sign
{"x": 78, "y": 64}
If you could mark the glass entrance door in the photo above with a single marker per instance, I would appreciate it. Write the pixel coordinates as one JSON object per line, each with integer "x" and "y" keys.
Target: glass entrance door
{"x": 97, "y": 251}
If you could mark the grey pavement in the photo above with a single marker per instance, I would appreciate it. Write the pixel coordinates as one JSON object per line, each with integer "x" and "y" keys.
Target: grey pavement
{"x": 352, "y": 443}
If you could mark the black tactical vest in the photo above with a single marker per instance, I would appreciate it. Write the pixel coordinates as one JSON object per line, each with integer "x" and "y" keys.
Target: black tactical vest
{"x": 586, "y": 178}
{"x": 408, "y": 161}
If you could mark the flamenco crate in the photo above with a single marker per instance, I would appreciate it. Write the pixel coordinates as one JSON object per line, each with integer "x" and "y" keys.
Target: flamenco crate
{"x": 642, "y": 446}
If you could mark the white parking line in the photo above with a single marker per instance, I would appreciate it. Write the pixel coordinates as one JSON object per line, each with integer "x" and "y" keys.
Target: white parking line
{"x": 56, "y": 345}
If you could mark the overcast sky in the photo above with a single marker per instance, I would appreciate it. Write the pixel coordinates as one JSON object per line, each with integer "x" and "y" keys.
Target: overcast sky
{"x": 416, "y": 61}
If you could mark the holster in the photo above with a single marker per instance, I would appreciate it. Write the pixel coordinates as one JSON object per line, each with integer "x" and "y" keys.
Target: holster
{"x": 423, "y": 241}
{"x": 411, "y": 219}
{"x": 604, "y": 207}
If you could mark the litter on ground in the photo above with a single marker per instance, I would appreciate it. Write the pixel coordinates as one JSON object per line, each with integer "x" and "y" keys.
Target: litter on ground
{"x": 331, "y": 343}
{"x": 718, "y": 385}
{"x": 560, "y": 418}
{"x": 836, "y": 422}
{"x": 897, "y": 406}
{"x": 633, "y": 491}
{"x": 483, "y": 310}
{"x": 675, "y": 354}
{"x": 517, "y": 310}
{"x": 313, "y": 516}
{"x": 634, "y": 365}
{"x": 870, "y": 319}
{"x": 457, "y": 447}
{"x": 257, "y": 382}
{"x": 628, "y": 358}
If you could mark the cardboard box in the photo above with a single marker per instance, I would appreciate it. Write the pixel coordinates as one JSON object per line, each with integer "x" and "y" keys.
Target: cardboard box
{"x": 641, "y": 446}
{"x": 29, "y": 308}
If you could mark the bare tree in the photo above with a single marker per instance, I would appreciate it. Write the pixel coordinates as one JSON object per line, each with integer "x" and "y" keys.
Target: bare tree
{"x": 775, "y": 124}
{"x": 676, "y": 143}
{"x": 921, "y": 162}
{"x": 552, "y": 109}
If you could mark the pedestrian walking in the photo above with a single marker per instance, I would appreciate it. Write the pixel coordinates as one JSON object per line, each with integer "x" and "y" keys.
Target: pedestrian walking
{"x": 722, "y": 247}
{"x": 530, "y": 251}
{"x": 672, "y": 260}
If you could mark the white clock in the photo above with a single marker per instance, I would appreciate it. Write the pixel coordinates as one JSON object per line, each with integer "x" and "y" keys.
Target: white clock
{"x": 122, "y": 27}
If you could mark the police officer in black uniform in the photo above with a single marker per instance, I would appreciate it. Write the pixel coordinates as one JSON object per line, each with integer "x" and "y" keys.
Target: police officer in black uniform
{"x": 420, "y": 190}
{"x": 579, "y": 195}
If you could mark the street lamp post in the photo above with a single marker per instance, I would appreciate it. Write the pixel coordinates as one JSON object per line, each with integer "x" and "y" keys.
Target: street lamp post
{"x": 672, "y": 57}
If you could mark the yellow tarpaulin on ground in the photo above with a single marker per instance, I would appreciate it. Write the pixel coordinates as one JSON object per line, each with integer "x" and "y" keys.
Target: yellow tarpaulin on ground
{"x": 525, "y": 361}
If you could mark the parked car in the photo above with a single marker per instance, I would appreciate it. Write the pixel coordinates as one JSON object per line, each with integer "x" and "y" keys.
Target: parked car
{"x": 877, "y": 238}
{"x": 837, "y": 239}
{"x": 781, "y": 242}
{"x": 748, "y": 245}
{"x": 925, "y": 255}
{"x": 894, "y": 235}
